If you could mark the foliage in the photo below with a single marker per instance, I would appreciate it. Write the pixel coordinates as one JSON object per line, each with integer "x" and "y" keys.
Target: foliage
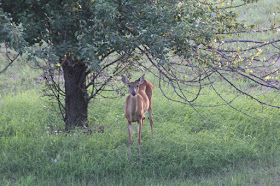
{"x": 214, "y": 146}
{"x": 189, "y": 44}
{"x": 91, "y": 30}
{"x": 76, "y": 38}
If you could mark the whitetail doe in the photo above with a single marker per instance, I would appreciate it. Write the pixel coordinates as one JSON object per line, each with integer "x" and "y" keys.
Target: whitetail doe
{"x": 137, "y": 103}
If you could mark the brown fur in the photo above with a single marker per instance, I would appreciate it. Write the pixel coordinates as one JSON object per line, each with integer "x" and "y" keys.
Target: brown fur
{"x": 137, "y": 103}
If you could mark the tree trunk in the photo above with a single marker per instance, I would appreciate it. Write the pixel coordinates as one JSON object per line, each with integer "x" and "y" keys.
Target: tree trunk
{"x": 76, "y": 97}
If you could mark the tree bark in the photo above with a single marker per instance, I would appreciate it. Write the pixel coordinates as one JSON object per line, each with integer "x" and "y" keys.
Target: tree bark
{"x": 76, "y": 96}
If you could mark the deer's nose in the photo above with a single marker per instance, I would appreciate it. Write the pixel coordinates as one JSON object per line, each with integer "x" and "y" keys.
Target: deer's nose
{"x": 133, "y": 93}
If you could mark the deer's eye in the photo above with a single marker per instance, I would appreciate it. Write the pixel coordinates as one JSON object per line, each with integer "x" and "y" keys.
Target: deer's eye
{"x": 137, "y": 85}
{"x": 128, "y": 85}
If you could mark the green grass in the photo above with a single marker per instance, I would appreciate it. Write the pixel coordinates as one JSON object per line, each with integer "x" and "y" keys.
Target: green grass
{"x": 224, "y": 147}
{"x": 267, "y": 13}
{"x": 19, "y": 77}
{"x": 264, "y": 15}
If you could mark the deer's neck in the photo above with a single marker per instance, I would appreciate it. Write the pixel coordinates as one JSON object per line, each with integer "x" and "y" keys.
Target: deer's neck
{"x": 133, "y": 104}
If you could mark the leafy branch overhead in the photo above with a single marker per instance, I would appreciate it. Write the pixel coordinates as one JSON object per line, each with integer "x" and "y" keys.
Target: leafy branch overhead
{"x": 189, "y": 45}
{"x": 95, "y": 29}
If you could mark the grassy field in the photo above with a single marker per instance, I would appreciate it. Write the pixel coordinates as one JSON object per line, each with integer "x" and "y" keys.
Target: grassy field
{"x": 224, "y": 147}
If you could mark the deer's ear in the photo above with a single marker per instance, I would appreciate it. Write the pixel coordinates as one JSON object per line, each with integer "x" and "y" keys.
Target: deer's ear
{"x": 141, "y": 79}
{"x": 124, "y": 79}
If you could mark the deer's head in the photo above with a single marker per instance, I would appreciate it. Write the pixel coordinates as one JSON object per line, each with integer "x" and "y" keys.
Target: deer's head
{"x": 133, "y": 86}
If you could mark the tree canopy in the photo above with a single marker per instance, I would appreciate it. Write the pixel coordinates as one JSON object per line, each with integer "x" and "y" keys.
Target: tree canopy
{"x": 185, "y": 41}
{"x": 91, "y": 30}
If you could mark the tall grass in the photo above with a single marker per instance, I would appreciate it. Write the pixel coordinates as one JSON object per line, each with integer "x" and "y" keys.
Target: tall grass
{"x": 210, "y": 146}
{"x": 184, "y": 147}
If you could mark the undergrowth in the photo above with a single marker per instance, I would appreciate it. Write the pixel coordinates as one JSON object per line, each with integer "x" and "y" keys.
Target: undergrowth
{"x": 206, "y": 146}
{"x": 185, "y": 144}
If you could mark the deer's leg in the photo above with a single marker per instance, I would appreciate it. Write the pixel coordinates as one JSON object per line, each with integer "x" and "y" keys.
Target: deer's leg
{"x": 139, "y": 130}
{"x": 151, "y": 121}
{"x": 129, "y": 136}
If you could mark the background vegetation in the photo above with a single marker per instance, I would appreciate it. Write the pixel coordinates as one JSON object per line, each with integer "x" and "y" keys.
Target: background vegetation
{"x": 218, "y": 146}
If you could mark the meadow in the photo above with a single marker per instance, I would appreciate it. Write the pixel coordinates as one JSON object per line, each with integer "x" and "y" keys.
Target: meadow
{"x": 218, "y": 146}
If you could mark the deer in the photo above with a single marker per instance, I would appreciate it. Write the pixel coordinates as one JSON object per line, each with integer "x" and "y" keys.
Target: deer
{"x": 137, "y": 103}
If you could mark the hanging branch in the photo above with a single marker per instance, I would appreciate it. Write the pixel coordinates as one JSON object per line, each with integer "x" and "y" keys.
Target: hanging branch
{"x": 229, "y": 104}
{"x": 11, "y": 61}
{"x": 249, "y": 95}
